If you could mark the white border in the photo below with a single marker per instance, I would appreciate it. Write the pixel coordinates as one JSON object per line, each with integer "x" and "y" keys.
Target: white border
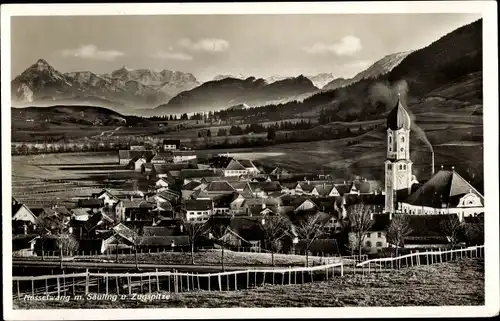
{"x": 487, "y": 9}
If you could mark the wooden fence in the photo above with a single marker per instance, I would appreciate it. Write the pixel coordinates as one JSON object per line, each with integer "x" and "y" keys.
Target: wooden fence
{"x": 419, "y": 258}
{"x": 171, "y": 282}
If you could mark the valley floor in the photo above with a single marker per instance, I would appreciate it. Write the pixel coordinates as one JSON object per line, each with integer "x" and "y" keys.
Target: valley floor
{"x": 445, "y": 284}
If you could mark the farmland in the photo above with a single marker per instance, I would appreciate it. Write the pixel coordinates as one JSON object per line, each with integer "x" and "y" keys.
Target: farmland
{"x": 445, "y": 284}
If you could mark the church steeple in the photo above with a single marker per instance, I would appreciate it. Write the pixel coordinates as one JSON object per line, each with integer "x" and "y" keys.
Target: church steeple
{"x": 398, "y": 172}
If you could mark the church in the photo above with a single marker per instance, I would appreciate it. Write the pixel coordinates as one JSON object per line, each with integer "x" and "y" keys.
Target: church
{"x": 446, "y": 192}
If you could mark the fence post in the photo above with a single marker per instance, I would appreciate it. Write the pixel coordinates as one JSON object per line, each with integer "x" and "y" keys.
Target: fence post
{"x": 117, "y": 285}
{"x": 87, "y": 282}
{"x": 106, "y": 282}
{"x": 235, "y": 281}
{"x": 46, "y": 288}
{"x": 158, "y": 282}
{"x": 129, "y": 284}
{"x": 220, "y": 283}
{"x": 248, "y": 279}
{"x": 198, "y": 280}
{"x": 264, "y": 278}
{"x": 209, "y": 283}
{"x": 33, "y": 287}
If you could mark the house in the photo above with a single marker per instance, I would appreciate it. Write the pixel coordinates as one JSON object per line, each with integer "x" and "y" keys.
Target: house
{"x": 217, "y": 188}
{"x": 249, "y": 166}
{"x": 188, "y": 189}
{"x": 99, "y": 221}
{"x": 133, "y": 209}
{"x": 325, "y": 190}
{"x": 223, "y": 204}
{"x": 235, "y": 168}
{"x": 171, "y": 144}
{"x": 23, "y": 219}
{"x": 303, "y": 204}
{"x": 183, "y": 156}
{"x": 126, "y": 156}
{"x": 375, "y": 239}
{"x": 94, "y": 204}
{"x": 162, "y": 158}
{"x": 196, "y": 174}
{"x": 108, "y": 198}
{"x": 80, "y": 214}
{"x": 166, "y": 195}
{"x": 136, "y": 163}
{"x": 161, "y": 184}
{"x": 198, "y": 210}
{"x": 304, "y": 188}
{"x": 262, "y": 189}
{"x": 24, "y": 244}
{"x": 162, "y": 170}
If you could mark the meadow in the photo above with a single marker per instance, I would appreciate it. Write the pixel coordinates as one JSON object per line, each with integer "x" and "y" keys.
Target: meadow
{"x": 445, "y": 284}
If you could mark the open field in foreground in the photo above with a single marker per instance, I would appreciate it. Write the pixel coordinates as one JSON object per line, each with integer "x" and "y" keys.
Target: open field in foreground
{"x": 445, "y": 284}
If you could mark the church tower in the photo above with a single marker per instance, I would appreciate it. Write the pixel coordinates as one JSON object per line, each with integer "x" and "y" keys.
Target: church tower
{"x": 398, "y": 172}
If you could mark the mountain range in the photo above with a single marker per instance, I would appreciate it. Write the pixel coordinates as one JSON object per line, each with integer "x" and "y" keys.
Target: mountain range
{"x": 380, "y": 67}
{"x": 228, "y": 92}
{"x": 42, "y": 84}
{"x": 146, "y": 92}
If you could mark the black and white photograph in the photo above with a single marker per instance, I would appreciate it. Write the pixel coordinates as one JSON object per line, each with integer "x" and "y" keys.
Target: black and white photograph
{"x": 198, "y": 160}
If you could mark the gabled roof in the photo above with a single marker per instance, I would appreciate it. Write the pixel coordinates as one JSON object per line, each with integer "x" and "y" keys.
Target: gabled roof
{"x": 306, "y": 187}
{"x": 190, "y": 186}
{"x": 105, "y": 191}
{"x": 162, "y": 157}
{"x": 91, "y": 203}
{"x": 125, "y": 232}
{"x": 80, "y": 212}
{"x": 445, "y": 187}
{"x": 239, "y": 186}
{"x": 227, "y": 179}
{"x": 198, "y": 205}
{"x": 324, "y": 189}
{"x": 219, "y": 186}
{"x": 343, "y": 188}
{"x": 235, "y": 165}
{"x": 95, "y": 220}
{"x": 225, "y": 200}
{"x": 246, "y": 163}
{"x": 267, "y": 187}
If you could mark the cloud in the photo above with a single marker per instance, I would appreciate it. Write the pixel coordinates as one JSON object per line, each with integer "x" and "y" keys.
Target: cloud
{"x": 206, "y": 44}
{"x": 171, "y": 55}
{"x": 92, "y": 52}
{"x": 347, "y": 46}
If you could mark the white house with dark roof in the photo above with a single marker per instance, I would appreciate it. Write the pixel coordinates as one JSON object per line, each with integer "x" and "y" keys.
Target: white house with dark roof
{"x": 198, "y": 211}
{"x": 108, "y": 198}
{"x": 235, "y": 168}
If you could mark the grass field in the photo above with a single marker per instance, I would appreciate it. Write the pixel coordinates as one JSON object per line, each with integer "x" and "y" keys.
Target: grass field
{"x": 210, "y": 257}
{"x": 446, "y": 284}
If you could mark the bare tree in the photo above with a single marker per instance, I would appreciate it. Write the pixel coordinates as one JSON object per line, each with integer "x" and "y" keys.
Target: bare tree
{"x": 194, "y": 231}
{"x": 48, "y": 225}
{"x": 452, "y": 227}
{"x": 360, "y": 222}
{"x": 274, "y": 228}
{"x": 398, "y": 230}
{"x": 218, "y": 226}
{"x": 310, "y": 228}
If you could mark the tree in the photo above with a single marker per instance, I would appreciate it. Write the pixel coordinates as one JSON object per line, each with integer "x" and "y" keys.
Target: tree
{"x": 398, "y": 230}
{"x": 474, "y": 233}
{"x": 271, "y": 133}
{"x": 48, "y": 225}
{"x": 218, "y": 227}
{"x": 309, "y": 228}
{"x": 274, "y": 228}
{"x": 66, "y": 243}
{"x": 194, "y": 231}
{"x": 453, "y": 228}
{"x": 360, "y": 222}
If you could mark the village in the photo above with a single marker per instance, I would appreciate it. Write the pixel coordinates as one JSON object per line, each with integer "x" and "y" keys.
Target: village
{"x": 186, "y": 204}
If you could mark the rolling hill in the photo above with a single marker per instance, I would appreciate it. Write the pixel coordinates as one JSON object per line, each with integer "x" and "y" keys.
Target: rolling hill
{"x": 221, "y": 94}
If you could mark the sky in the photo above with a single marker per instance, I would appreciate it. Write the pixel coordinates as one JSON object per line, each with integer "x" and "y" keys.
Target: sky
{"x": 210, "y": 45}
